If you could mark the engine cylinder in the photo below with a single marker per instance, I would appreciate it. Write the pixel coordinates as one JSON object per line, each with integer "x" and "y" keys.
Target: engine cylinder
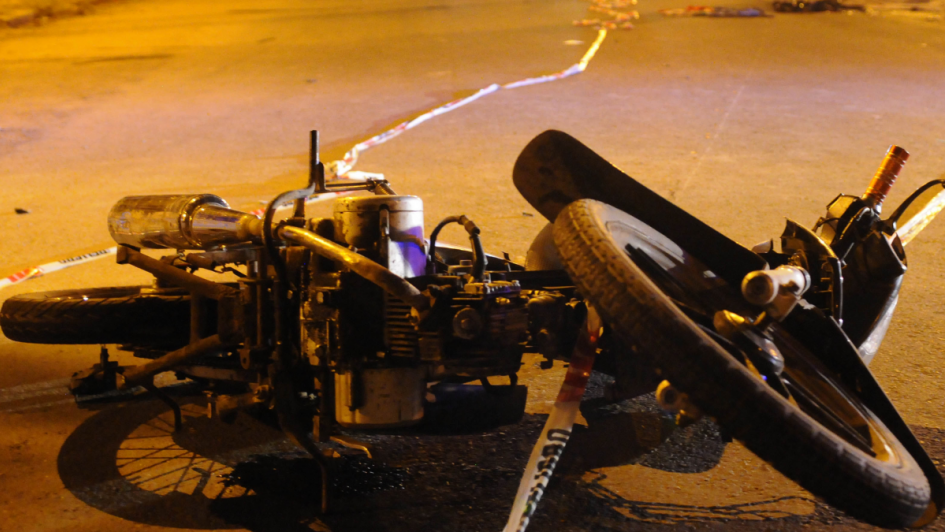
{"x": 358, "y": 223}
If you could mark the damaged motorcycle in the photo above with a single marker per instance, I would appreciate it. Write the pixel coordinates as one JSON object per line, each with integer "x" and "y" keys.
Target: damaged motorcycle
{"x": 343, "y": 322}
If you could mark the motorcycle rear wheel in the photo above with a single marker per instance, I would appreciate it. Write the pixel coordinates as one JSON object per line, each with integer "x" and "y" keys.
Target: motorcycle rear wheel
{"x": 651, "y": 293}
{"x": 114, "y": 315}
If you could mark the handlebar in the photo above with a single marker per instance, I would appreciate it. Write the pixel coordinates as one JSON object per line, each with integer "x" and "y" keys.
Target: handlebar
{"x": 885, "y": 177}
{"x": 764, "y": 286}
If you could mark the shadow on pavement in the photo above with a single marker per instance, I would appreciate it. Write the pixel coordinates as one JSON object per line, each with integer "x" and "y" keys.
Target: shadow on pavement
{"x": 127, "y": 461}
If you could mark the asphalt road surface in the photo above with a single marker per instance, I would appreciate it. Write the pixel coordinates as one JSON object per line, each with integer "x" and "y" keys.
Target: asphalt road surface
{"x": 741, "y": 121}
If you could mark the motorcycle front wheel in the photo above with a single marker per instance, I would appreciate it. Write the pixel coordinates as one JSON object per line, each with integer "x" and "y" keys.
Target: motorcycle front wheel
{"x": 115, "y": 315}
{"x": 661, "y": 300}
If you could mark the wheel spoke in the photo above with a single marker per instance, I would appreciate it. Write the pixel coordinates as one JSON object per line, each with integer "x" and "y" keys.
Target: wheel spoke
{"x": 694, "y": 301}
{"x": 824, "y": 436}
{"x": 827, "y": 417}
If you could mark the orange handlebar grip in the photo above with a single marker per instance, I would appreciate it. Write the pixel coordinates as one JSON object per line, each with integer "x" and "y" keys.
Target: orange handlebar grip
{"x": 885, "y": 176}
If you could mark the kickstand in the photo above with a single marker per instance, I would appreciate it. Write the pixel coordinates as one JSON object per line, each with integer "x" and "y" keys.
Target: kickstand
{"x": 166, "y": 399}
{"x": 306, "y": 441}
{"x": 351, "y": 443}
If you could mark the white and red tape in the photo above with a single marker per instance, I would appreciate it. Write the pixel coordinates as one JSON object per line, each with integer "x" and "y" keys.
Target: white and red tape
{"x": 341, "y": 168}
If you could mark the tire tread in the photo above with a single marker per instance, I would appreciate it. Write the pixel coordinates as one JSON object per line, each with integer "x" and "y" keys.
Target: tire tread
{"x": 767, "y": 424}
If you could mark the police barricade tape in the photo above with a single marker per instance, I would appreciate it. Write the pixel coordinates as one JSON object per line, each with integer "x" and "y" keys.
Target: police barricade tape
{"x": 557, "y": 430}
{"x": 341, "y": 169}
{"x": 38, "y": 271}
{"x": 343, "y": 166}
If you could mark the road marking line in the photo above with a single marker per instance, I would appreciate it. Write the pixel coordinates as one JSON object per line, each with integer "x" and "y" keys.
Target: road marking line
{"x": 50, "y": 392}
{"x": 718, "y": 129}
{"x": 30, "y": 390}
{"x": 27, "y": 408}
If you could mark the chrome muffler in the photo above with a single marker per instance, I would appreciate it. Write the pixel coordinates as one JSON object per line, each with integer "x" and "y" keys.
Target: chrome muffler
{"x": 196, "y": 221}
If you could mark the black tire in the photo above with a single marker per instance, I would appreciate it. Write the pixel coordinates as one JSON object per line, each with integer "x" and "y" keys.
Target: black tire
{"x": 885, "y": 488}
{"x": 115, "y": 315}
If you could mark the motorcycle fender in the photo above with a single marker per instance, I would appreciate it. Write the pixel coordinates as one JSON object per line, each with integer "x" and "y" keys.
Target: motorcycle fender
{"x": 556, "y": 169}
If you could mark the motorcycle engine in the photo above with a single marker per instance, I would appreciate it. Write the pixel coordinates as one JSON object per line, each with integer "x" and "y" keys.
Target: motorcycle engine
{"x": 381, "y": 352}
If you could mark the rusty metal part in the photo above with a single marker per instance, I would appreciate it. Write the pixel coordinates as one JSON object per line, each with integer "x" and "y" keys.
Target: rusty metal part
{"x": 393, "y": 284}
{"x": 885, "y": 176}
{"x": 140, "y": 374}
{"x": 174, "y": 276}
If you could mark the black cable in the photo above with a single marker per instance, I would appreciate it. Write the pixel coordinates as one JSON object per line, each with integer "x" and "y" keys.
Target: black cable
{"x": 479, "y": 256}
{"x": 894, "y": 218}
{"x": 436, "y": 232}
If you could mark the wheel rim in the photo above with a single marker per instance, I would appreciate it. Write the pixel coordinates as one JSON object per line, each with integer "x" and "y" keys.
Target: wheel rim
{"x": 699, "y": 293}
